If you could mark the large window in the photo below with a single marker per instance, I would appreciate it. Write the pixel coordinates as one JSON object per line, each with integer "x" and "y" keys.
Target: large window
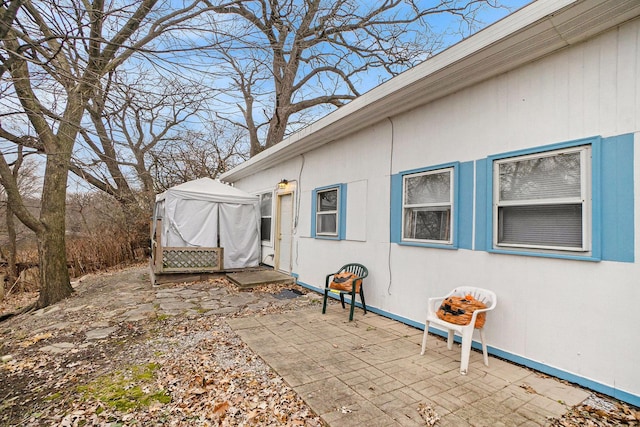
{"x": 427, "y": 208}
{"x": 542, "y": 201}
{"x": 266, "y": 206}
{"x": 327, "y": 212}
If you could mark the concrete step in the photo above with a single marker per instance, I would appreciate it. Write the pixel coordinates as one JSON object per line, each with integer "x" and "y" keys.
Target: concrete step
{"x": 250, "y": 279}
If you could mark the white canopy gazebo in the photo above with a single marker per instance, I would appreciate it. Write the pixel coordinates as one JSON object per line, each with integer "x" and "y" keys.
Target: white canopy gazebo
{"x": 205, "y": 225}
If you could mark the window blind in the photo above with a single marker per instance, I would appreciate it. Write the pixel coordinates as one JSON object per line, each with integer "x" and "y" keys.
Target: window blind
{"x": 552, "y": 177}
{"x": 541, "y": 225}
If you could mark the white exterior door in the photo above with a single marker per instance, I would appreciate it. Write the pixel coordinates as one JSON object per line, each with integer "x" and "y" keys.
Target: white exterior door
{"x": 284, "y": 233}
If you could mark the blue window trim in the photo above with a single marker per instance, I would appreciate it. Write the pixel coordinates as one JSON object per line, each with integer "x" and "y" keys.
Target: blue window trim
{"x": 465, "y": 205}
{"x": 342, "y": 211}
{"x": 618, "y": 202}
{"x": 596, "y": 200}
{"x": 396, "y": 206}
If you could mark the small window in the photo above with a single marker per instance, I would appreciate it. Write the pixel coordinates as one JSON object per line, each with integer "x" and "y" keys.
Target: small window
{"x": 327, "y": 204}
{"x": 427, "y": 206}
{"x": 542, "y": 201}
{"x": 266, "y": 207}
{"x": 328, "y": 212}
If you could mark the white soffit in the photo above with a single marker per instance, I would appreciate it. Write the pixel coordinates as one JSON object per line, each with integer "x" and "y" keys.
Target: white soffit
{"x": 532, "y": 32}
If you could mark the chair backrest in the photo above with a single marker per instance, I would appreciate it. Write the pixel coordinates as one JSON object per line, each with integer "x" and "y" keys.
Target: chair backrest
{"x": 486, "y": 296}
{"x": 357, "y": 269}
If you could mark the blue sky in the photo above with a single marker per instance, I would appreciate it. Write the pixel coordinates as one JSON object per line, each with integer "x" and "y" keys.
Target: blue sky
{"x": 487, "y": 17}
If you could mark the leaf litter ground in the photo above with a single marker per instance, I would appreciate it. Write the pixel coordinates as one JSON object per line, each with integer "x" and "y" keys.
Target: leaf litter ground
{"x": 165, "y": 370}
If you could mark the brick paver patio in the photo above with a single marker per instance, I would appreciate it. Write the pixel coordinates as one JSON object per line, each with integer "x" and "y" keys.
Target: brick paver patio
{"x": 370, "y": 372}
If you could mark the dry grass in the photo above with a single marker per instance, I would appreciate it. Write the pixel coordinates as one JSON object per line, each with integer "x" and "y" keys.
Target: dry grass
{"x": 89, "y": 254}
{"x": 86, "y": 254}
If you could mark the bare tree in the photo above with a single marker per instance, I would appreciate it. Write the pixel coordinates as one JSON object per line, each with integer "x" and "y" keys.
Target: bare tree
{"x": 8, "y": 13}
{"x": 131, "y": 117}
{"x": 25, "y": 175}
{"x": 285, "y": 57}
{"x": 10, "y": 253}
{"x": 57, "y": 53}
{"x": 197, "y": 154}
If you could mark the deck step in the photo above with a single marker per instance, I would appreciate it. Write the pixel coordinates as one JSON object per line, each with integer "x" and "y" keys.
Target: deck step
{"x": 250, "y": 279}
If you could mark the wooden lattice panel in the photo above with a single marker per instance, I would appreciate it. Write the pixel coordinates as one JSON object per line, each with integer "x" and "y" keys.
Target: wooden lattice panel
{"x": 191, "y": 259}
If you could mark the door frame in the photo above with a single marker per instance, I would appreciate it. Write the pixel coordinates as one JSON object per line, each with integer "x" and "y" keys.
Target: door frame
{"x": 278, "y": 231}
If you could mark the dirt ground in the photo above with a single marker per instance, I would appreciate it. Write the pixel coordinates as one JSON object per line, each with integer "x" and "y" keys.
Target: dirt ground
{"x": 174, "y": 370}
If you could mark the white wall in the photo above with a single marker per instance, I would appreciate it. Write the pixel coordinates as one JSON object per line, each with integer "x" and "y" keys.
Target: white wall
{"x": 577, "y": 316}
{"x": 267, "y": 182}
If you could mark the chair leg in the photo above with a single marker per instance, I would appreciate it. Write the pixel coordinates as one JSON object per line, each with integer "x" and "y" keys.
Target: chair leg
{"x": 342, "y": 299}
{"x": 424, "y": 338}
{"x": 467, "y": 337}
{"x": 324, "y": 301}
{"x": 450, "y": 336}
{"x": 485, "y": 354}
{"x": 353, "y": 304}
{"x": 364, "y": 305}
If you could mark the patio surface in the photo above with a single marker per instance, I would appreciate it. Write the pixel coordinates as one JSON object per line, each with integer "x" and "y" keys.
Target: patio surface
{"x": 370, "y": 372}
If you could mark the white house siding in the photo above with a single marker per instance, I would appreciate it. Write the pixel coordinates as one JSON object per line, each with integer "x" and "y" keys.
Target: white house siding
{"x": 577, "y": 319}
{"x": 268, "y": 182}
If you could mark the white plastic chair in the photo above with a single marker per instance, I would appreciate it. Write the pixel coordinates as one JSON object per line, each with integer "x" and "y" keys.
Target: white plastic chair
{"x": 465, "y": 331}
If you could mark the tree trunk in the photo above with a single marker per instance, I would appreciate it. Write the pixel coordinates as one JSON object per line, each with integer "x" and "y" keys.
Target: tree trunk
{"x": 255, "y": 146}
{"x": 277, "y": 129}
{"x": 54, "y": 274}
{"x": 280, "y": 118}
{"x": 12, "y": 269}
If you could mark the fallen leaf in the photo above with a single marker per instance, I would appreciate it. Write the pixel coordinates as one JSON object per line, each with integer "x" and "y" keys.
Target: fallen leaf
{"x": 528, "y": 388}
{"x": 36, "y": 338}
{"x": 251, "y": 415}
{"x": 220, "y": 408}
{"x": 428, "y": 414}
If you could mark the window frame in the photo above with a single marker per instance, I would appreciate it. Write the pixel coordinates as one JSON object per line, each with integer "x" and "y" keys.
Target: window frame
{"x": 583, "y": 200}
{"x": 591, "y": 238}
{"x": 268, "y": 242}
{"x": 339, "y": 212}
{"x": 397, "y": 201}
{"x": 328, "y": 213}
{"x": 450, "y": 204}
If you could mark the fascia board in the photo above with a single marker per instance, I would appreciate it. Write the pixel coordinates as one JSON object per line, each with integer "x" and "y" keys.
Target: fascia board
{"x": 533, "y": 32}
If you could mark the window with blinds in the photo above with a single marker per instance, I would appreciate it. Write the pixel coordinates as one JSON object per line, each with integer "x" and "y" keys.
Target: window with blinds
{"x": 542, "y": 201}
{"x": 427, "y": 206}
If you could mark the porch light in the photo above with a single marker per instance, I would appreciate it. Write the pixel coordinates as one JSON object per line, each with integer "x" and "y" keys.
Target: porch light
{"x": 283, "y": 184}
